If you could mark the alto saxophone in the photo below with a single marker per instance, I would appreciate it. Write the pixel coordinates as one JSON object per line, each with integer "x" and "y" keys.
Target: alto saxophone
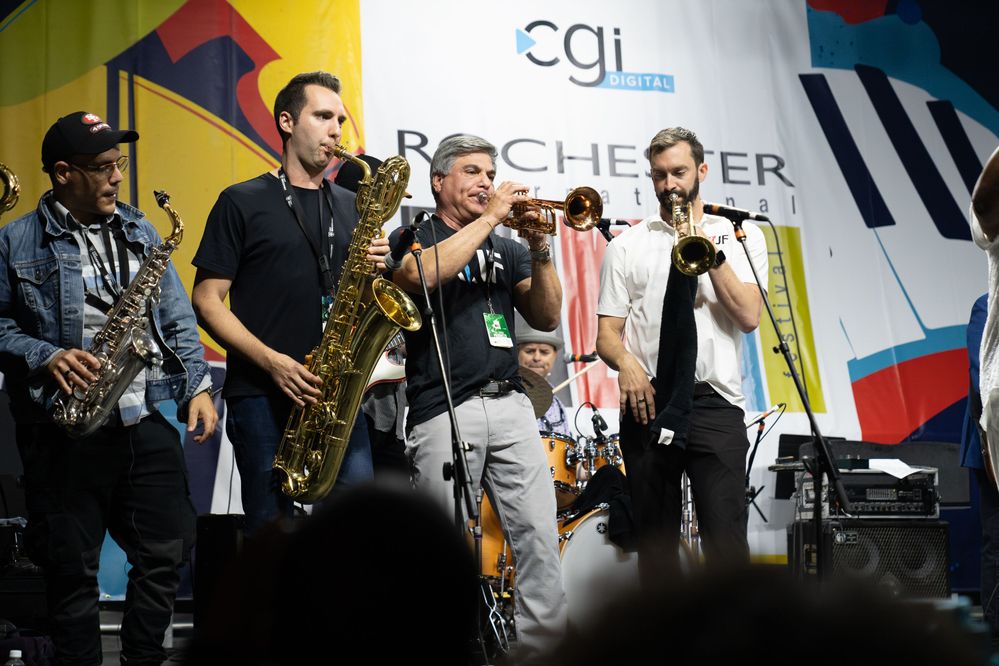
{"x": 11, "y": 189}
{"x": 367, "y": 312}
{"x": 124, "y": 345}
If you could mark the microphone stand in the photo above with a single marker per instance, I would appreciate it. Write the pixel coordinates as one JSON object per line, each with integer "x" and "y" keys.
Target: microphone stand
{"x": 604, "y": 226}
{"x": 457, "y": 470}
{"x": 751, "y": 492}
{"x": 823, "y": 463}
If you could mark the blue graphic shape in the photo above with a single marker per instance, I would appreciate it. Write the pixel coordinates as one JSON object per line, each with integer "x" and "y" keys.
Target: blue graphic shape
{"x": 947, "y": 216}
{"x": 957, "y": 141}
{"x": 752, "y": 374}
{"x": 524, "y": 41}
{"x": 935, "y": 340}
{"x": 906, "y": 52}
{"x": 859, "y": 180}
{"x": 645, "y": 82}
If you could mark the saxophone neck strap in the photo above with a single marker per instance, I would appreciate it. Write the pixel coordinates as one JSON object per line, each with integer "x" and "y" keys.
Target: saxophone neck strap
{"x": 322, "y": 254}
{"x": 113, "y": 285}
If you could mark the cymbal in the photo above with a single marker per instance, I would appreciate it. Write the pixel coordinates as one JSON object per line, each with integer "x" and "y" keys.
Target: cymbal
{"x": 539, "y": 391}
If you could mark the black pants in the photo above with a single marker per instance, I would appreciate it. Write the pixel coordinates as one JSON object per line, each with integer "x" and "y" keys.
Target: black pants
{"x": 989, "y": 509}
{"x": 130, "y": 481}
{"x": 715, "y": 462}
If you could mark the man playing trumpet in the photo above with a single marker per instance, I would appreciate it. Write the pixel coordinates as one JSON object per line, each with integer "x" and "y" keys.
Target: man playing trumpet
{"x": 632, "y": 337}
{"x": 481, "y": 277}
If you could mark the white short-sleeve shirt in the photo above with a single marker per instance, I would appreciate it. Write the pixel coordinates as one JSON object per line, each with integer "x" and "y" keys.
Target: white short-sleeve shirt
{"x": 989, "y": 352}
{"x": 633, "y": 282}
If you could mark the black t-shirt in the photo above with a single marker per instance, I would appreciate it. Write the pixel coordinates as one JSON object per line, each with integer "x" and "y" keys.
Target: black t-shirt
{"x": 473, "y": 360}
{"x": 251, "y": 236}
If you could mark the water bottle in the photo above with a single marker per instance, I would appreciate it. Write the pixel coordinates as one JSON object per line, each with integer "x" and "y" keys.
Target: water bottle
{"x": 15, "y": 659}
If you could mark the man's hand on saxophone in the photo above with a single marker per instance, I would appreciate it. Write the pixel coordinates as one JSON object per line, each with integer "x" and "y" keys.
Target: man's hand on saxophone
{"x": 377, "y": 252}
{"x": 293, "y": 378}
{"x": 72, "y": 366}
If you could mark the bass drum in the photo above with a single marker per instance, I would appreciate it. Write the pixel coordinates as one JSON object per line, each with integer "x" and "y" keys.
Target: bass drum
{"x": 594, "y": 569}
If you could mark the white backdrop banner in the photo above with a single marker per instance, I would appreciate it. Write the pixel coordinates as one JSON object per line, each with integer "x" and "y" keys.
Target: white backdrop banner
{"x": 838, "y": 122}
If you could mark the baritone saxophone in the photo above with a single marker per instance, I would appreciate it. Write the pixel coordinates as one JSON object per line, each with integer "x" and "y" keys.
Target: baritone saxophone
{"x": 367, "y": 313}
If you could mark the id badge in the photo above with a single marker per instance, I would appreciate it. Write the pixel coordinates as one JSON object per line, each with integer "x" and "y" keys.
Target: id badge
{"x": 326, "y": 304}
{"x": 498, "y": 331}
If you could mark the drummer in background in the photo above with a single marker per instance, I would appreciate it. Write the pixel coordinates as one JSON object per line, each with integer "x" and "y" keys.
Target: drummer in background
{"x": 537, "y": 352}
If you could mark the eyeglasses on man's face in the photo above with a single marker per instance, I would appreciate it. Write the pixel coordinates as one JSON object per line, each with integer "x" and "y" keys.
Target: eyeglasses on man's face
{"x": 103, "y": 170}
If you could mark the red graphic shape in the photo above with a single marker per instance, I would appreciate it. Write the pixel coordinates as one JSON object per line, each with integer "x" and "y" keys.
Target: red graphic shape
{"x": 852, "y": 11}
{"x": 200, "y": 21}
{"x": 894, "y": 402}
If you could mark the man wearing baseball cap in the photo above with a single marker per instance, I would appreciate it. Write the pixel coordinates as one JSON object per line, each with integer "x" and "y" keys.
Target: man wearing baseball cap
{"x": 63, "y": 267}
{"x": 537, "y": 351}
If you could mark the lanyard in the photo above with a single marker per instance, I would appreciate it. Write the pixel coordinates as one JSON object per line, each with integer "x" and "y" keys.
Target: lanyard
{"x": 321, "y": 254}
{"x": 487, "y": 278}
{"x": 112, "y": 285}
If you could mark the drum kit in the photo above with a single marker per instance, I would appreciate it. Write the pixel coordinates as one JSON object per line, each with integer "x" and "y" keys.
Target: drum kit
{"x": 593, "y": 566}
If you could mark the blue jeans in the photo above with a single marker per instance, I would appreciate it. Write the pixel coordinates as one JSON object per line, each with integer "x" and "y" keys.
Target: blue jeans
{"x": 254, "y": 425}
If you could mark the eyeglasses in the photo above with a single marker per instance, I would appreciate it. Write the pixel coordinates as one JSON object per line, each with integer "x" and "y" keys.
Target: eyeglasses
{"x": 104, "y": 170}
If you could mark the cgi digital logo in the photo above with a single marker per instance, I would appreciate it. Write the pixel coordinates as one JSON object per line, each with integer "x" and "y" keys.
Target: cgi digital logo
{"x": 539, "y": 42}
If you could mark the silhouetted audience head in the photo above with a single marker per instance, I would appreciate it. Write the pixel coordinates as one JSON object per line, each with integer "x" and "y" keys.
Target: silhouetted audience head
{"x": 765, "y": 616}
{"x": 380, "y": 572}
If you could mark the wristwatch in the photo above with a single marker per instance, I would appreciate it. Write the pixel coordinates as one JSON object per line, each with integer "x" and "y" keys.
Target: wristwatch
{"x": 544, "y": 256}
{"x": 719, "y": 259}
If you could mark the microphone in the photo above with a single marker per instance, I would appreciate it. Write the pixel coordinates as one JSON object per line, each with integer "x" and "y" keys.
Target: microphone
{"x": 394, "y": 260}
{"x": 580, "y": 358}
{"x": 613, "y": 222}
{"x": 759, "y": 419}
{"x": 599, "y": 425}
{"x": 483, "y": 198}
{"x": 734, "y": 214}
{"x": 420, "y": 218}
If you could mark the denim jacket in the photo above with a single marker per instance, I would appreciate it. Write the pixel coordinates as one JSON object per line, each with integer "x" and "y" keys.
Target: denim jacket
{"x": 41, "y": 311}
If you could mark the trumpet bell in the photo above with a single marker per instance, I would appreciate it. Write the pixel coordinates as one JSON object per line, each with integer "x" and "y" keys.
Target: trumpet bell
{"x": 583, "y": 208}
{"x": 693, "y": 255}
{"x": 581, "y": 211}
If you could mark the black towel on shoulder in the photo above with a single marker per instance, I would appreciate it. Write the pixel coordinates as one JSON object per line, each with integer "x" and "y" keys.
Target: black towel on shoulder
{"x": 674, "y": 380}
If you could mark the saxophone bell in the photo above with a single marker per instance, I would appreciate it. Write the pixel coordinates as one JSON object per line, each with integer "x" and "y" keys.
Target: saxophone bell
{"x": 11, "y": 189}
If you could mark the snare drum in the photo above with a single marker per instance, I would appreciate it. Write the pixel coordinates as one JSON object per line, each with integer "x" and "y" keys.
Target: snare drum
{"x": 594, "y": 569}
{"x": 593, "y": 455}
{"x": 562, "y": 459}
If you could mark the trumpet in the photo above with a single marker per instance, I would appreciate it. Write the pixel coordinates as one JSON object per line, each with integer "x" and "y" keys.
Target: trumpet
{"x": 692, "y": 254}
{"x": 581, "y": 211}
{"x": 11, "y": 189}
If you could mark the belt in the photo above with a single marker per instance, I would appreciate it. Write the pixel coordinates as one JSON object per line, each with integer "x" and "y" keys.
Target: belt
{"x": 703, "y": 388}
{"x": 495, "y": 388}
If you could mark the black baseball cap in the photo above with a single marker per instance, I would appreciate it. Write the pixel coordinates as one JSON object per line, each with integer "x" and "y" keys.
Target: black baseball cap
{"x": 350, "y": 175}
{"x": 81, "y": 133}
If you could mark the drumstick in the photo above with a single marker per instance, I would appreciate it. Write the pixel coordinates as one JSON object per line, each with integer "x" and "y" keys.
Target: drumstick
{"x": 578, "y": 374}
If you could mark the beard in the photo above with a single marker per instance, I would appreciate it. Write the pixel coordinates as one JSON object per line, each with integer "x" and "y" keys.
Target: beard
{"x": 690, "y": 196}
